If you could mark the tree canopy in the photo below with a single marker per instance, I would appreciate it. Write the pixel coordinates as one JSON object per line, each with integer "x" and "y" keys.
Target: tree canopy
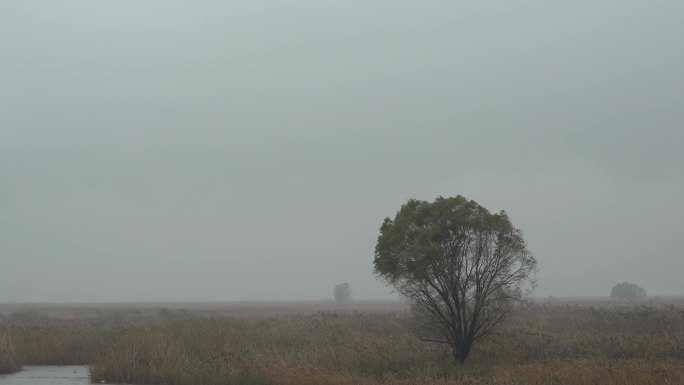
{"x": 342, "y": 292}
{"x": 460, "y": 267}
{"x": 626, "y": 290}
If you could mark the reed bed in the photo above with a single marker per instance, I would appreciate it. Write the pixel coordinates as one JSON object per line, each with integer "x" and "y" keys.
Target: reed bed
{"x": 9, "y": 361}
{"x": 542, "y": 344}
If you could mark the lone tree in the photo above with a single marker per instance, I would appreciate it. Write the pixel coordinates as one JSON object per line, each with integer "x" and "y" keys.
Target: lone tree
{"x": 342, "y": 292}
{"x": 627, "y": 291}
{"x": 460, "y": 267}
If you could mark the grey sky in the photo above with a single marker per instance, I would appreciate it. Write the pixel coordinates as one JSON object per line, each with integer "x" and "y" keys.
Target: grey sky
{"x": 241, "y": 150}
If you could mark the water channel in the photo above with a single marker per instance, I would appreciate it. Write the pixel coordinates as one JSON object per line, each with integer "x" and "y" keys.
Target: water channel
{"x": 48, "y": 375}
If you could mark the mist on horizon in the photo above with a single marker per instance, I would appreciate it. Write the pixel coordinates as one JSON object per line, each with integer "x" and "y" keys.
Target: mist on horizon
{"x": 250, "y": 150}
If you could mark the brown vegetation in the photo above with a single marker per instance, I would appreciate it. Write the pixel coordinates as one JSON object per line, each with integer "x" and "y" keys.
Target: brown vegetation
{"x": 543, "y": 344}
{"x": 9, "y": 362}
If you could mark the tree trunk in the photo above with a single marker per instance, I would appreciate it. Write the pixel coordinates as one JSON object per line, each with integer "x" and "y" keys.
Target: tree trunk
{"x": 461, "y": 350}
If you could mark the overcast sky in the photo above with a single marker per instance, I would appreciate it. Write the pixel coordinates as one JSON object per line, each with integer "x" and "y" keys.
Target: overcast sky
{"x": 249, "y": 150}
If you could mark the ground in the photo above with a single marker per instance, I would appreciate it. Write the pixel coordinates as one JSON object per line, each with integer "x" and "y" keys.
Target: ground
{"x": 559, "y": 341}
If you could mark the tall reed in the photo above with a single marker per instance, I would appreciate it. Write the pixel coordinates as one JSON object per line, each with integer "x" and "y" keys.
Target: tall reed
{"x": 9, "y": 361}
{"x": 542, "y": 344}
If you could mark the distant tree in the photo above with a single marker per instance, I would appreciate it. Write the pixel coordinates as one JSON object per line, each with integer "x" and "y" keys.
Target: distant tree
{"x": 626, "y": 290}
{"x": 342, "y": 292}
{"x": 460, "y": 267}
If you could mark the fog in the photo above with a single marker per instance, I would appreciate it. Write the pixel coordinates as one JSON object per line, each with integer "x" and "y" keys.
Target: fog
{"x": 249, "y": 150}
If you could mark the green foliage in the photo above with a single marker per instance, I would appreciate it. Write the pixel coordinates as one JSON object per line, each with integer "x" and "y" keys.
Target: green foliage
{"x": 409, "y": 245}
{"x": 342, "y": 292}
{"x": 460, "y": 267}
{"x": 628, "y": 291}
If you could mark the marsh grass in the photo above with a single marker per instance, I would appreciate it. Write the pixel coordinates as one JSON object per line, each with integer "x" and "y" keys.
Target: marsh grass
{"x": 546, "y": 344}
{"x": 9, "y": 361}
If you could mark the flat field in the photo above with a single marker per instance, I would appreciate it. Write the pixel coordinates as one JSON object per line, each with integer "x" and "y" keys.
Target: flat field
{"x": 579, "y": 341}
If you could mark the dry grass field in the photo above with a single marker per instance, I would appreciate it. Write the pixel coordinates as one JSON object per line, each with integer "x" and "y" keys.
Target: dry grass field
{"x": 551, "y": 342}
